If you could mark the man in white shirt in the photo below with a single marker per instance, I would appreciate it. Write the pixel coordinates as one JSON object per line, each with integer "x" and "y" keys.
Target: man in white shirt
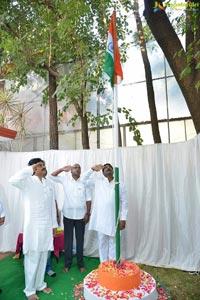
{"x": 39, "y": 224}
{"x": 76, "y": 212}
{"x": 103, "y": 212}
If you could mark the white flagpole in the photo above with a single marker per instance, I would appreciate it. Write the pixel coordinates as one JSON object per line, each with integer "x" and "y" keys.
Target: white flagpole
{"x": 116, "y": 171}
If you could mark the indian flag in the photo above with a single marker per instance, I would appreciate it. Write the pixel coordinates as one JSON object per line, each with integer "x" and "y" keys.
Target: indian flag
{"x": 112, "y": 65}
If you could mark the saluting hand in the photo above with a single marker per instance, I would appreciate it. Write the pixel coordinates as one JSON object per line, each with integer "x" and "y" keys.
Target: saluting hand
{"x": 97, "y": 168}
{"x": 67, "y": 168}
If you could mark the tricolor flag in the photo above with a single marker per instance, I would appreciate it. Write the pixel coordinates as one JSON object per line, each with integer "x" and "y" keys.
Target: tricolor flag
{"x": 112, "y": 65}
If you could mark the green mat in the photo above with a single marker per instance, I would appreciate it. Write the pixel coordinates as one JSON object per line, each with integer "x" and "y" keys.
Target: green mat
{"x": 65, "y": 286}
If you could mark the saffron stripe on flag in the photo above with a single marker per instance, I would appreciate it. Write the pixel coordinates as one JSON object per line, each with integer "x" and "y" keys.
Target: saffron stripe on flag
{"x": 112, "y": 65}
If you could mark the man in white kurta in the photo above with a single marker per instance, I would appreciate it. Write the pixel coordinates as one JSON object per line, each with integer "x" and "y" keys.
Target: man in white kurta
{"x": 102, "y": 217}
{"x": 39, "y": 224}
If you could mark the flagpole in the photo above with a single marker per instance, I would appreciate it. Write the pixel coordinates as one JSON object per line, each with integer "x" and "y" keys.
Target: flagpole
{"x": 116, "y": 172}
{"x": 116, "y": 143}
{"x": 114, "y": 70}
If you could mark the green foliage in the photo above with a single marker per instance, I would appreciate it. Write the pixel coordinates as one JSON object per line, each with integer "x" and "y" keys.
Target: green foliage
{"x": 73, "y": 120}
{"x": 132, "y": 124}
{"x": 99, "y": 121}
{"x": 106, "y": 119}
{"x": 198, "y": 65}
{"x": 179, "y": 24}
{"x": 188, "y": 23}
{"x": 193, "y": 60}
{"x": 197, "y": 85}
{"x": 41, "y": 35}
{"x": 185, "y": 72}
{"x": 66, "y": 38}
{"x": 45, "y": 97}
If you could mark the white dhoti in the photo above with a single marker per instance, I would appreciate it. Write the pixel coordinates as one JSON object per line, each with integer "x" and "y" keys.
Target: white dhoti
{"x": 34, "y": 268}
{"x": 107, "y": 247}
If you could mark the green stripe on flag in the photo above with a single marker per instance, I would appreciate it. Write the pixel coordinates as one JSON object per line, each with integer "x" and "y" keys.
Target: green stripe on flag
{"x": 109, "y": 67}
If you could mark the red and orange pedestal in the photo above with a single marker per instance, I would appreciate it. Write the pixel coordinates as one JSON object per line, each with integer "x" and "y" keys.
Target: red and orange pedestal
{"x": 119, "y": 282}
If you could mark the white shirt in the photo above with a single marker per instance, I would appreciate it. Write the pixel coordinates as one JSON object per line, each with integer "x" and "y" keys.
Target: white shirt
{"x": 75, "y": 196}
{"x": 2, "y": 214}
{"x": 103, "y": 211}
{"x": 39, "y": 210}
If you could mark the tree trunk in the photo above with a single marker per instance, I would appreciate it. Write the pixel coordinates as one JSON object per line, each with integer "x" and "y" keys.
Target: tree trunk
{"x": 148, "y": 74}
{"x": 171, "y": 46}
{"x": 84, "y": 132}
{"x": 53, "y": 123}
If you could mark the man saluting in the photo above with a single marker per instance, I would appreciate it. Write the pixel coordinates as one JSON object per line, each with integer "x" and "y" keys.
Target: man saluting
{"x": 39, "y": 224}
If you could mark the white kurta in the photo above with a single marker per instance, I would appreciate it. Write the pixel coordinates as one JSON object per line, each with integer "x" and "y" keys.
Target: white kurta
{"x": 103, "y": 211}
{"x": 39, "y": 210}
{"x": 2, "y": 214}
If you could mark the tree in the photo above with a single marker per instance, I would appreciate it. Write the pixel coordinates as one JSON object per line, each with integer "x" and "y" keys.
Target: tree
{"x": 84, "y": 74}
{"x": 27, "y": 31}
{"x": 185, "y": 63}
{"x": 148, "y": 74}
{"x": 41, "y": 37}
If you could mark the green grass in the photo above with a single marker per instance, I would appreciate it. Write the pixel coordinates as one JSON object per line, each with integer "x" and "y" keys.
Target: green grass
{"x": 181, "y": 285}
{"x": 12, "y": 279}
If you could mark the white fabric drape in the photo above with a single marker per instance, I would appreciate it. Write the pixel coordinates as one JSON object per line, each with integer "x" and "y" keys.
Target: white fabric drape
{"x": 163, "y": 184}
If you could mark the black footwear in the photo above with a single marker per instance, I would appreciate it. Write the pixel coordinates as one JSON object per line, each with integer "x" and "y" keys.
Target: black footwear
{"x": 0, "y": 291}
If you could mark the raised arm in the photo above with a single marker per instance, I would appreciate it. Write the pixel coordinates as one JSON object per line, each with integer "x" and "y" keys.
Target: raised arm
{"x": 54, "y": 175}
{"x": 86, "y": 177}
{"x": 63, "y": 169}
{"x": 20, "y": 178}
{"x": 97, "y": 168}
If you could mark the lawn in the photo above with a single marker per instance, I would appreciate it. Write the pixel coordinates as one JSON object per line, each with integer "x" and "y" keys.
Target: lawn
{"x": 182, "y": 285}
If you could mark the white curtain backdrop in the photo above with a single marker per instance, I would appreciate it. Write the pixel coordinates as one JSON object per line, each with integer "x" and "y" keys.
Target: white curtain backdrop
{"x": 163, "y": 184}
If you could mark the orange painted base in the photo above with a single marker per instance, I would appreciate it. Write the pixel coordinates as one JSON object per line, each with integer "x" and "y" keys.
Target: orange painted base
{"x": 119, "y": 277}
